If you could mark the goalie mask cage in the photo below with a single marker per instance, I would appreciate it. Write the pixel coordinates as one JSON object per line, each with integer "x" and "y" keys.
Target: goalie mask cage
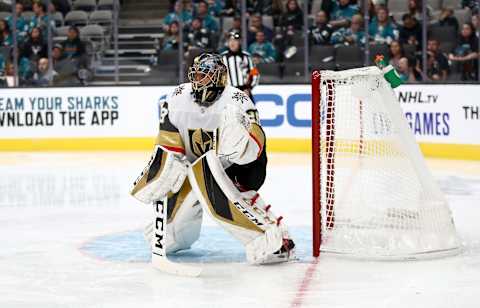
{"x": 373, "y": 196}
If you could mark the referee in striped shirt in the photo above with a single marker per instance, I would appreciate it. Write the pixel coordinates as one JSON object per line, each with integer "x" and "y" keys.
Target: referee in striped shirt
{"x": 242, "y": 74}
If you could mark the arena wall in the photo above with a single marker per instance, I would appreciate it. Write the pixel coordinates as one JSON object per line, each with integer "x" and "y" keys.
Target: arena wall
{"x": 445, "y": 118}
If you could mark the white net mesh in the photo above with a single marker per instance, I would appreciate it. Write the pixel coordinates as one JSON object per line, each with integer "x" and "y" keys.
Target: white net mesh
{"x": 377, "y": 198}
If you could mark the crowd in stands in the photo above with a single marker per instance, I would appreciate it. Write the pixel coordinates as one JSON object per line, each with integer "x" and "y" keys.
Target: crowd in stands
{"x": 339, "y": 23}
{"x": 68, "y": 54}
{"x": 275, "y": 33}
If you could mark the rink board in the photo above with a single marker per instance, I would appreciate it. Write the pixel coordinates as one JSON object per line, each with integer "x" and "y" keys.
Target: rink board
{"x": 444, "y": 118}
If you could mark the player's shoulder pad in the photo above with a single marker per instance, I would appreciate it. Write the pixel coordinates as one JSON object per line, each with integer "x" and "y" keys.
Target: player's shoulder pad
{"x": 238, "y": 98}
{"x": 179, "y": 95}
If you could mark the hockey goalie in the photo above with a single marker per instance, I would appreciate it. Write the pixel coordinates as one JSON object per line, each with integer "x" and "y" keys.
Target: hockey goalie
{"x": 210, "y": 156}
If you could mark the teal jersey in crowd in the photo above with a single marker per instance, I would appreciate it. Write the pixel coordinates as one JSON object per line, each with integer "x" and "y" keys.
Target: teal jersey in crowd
{"x": 216, "y": 8}
{"x": 346, "y": 12}
{"x": 339, "y": 36}
{"x": 210, "y": 23}
{"x": 22, "y": 25}
{"x": 185, "y": 16}
{"x": 42, "y": 23}
{"x": 382, "y": 34}
{"x": 265, "y": 50}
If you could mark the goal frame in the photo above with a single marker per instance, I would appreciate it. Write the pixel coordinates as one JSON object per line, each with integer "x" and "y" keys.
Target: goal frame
{"x": 324, "y": 162}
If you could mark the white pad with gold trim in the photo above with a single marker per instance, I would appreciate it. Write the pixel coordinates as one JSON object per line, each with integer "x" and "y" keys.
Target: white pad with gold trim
{"x": 166, "y": 171}
{"x": 243, "y": 214}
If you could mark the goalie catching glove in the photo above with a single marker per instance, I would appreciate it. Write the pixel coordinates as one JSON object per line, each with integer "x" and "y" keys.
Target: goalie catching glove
{"x": 166, "y": 171}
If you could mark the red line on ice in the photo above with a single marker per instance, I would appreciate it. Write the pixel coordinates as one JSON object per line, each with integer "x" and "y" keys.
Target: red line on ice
{"x": 305, "y": 284}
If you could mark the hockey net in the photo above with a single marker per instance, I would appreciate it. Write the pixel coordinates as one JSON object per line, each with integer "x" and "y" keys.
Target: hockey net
{"x": 373, "y": 196}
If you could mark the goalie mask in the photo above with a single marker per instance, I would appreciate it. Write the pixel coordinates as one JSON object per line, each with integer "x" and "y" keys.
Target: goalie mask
{"x": 208, "y": 76}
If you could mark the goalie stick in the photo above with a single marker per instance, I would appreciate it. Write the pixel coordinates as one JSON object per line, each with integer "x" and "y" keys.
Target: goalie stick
{"x": 159, "y": 255}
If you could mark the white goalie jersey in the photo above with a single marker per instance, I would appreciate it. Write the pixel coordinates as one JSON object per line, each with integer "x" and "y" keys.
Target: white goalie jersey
{"x": 193, "y": 130}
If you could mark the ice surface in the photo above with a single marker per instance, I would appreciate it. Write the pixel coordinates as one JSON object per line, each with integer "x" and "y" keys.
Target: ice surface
{"x": 71, "y": 237}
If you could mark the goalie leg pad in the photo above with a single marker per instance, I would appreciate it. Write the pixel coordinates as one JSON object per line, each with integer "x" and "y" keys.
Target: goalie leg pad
{"x": 243, "y": 214}
{"x": 184, "y": 220}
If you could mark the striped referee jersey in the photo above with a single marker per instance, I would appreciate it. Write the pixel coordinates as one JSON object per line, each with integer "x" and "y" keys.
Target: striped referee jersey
{"x": 239, "y": 65}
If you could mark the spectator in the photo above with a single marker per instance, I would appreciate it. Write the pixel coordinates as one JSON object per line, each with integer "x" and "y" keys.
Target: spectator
{"x": 35, "y": 47}
{"x": 214, "y": 7}
{"x": 8, "y": 78}
{"x": 73, "y": 47}
{"x": 321, "y": 33}
{"x": 466, "y": 52}
{"x": 40, "y": 20}
{"x": 6, "y": 38}
{"x": 411, "y": 31}
{"x": 437, "y": 63}
{"x": 292, "y": 19}
{"x": 208, "y": 20}
{"x": 255, "y": 26}
{"x": 197, "y": 36}
{"x": 62, "y": 6}
{"x": 354, "y": 35}
{"x": 473, "y": 5}
{"x": 179, "y": 14}
{"x": 404, "y": 70}
{"x": 44, "y": 76}
{"x": 232, "y": 7}
{"x": 396, "y": 53}
{"x": 342, "y": 13}
{"x": 262, "y": 50}
{"x": 61, "y": 64}
{"x": 22, "y": 25}
{"x": 415, "y": 9}
{"x": 173, "y": 37}
{"x": 448, "y": 19}
{"x": 258, "y": 7}
{"x": 381, "y": 30}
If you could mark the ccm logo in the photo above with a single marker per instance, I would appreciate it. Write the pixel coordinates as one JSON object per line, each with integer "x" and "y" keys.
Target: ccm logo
{"x": 248, "y": 214}
{"x": 286, "y": 109}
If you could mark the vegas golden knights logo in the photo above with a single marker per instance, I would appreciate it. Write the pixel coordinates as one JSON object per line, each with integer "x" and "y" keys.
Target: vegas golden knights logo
{"x": 202, "y": 141}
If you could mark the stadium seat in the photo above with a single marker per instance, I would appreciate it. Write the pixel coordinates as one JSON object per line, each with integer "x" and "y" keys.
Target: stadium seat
{"x": 435, "y": 4}
{"x": 323, "y": 57}
{"x": 76, "y": 18}
{"x": 4, "y": 15}
{"x": 397, "y": 6}
{"x": 168, "y": 59}
{"x": 442, "y": 33}
{"x": 62, "y": 31}
{"x": 105, "y": 5}
{"x": 316, "y": 6}
{"x": 409, "y": 50}
{"x": 447, "y": 47}
{"x": 347, "y": 57}
{"x": 101, "y": 17}
{"x": 227, "y": 23}
{"x": 463, "y": 16}
{"x": 84, "y": 5}
{"x": 58, "y": 17}
{"x": 269, "y": 72}
{"x": 297, "y": 57}
{"x": 453, "y": 4}
{"x": 267, "y": 21}
{"x": 295, "y": 72}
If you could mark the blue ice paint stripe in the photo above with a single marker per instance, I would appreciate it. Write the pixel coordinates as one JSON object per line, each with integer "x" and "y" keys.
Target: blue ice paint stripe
{"x": 214, "y": 246}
